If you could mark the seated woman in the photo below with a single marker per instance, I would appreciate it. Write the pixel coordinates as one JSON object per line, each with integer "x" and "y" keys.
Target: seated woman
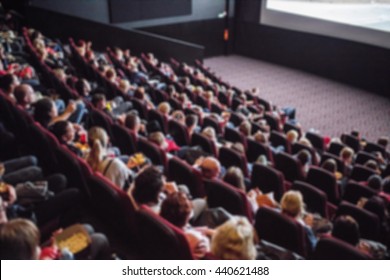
{"x": 112, "y": 168}
{"x": 292, "y": 206}
{"x": 65, "y": 132}
{"x": 234, "y": 240}
{"x": 178, "y": 210}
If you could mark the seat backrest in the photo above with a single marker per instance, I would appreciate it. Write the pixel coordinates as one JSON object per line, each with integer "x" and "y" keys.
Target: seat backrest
{"x": 325, "y": 181}
{"x": 289, "y": 166}
{"x": 153, "y": 152}
{"x": 316, "y": 140}
{"x": 98, "y": 118}
{"x": 279, "y": 139}
{"x": 112, "y": 204}
{"x": 179, "y": 133}
{"x": 351, "y": 141}
{"x": 288, "y": 126}
{"x": 154, "y": 115}
{"x": 315, "y": 199}
{"x": 297, "y": 147}
{"x": 354, "y": 191}
{"x": 268, "y": 179}
{"x": 335, "y": 148}
{"x": 206, "y": 144}
{"x": 256, "y": 149}
{"x": 124, "y": 139}
{"x": 280, "y": 229}
{"x": 160, "y": 240}
{"x": 340, "y": 163}
{"x": 330, "y": 248}
{"x": 209, "y": 121}
{"x": 233, "y": 135}
{"x": 233, "y": 200}
{"x": 361, "y": 173}
{"x": 369, "y": 224}
{"x": 236, "y": 119}
{"x": 140, "y": 106}
{"x": 363, "y": 157}
{"x": 229, "y": 157}
{"x": 183, "y": 173}
{"x": 373, "y": 147}
{"x": 272, "y": 121}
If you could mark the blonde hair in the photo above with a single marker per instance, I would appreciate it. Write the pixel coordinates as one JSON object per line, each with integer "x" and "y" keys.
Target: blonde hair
{"x": 292, "y": 136}
{"x": 292, "y": 203}
{"x": 234, "y": 240}
{"x": 98, "y": 141}
{"x": 245, "y": 128}
{"x": 347, "y": 153}
{"x": 164, "y": 108}
{"x": 209, "y": 132}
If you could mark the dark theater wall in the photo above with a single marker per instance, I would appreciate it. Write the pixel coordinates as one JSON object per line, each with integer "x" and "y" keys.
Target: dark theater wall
{"x": 357, "y": 64}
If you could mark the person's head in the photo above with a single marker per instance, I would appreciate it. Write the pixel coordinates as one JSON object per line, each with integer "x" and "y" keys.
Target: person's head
{"x": 330, "y": 165}
{"x": 8, "y": 83}
{"x": 209, "y": 132}
{"x": 83, "y": 87}
{"x": 386, "y": 185}
{"x": 99, "y": 101}
{"x": 158, "y": 138}
{"x": 210, "y": 168}
{"x": 305, "y": 142}
{"x": 292, "y": 204}
{"x": 147, "y": 186}
{"x": 245, "y": 128}
{"x": 260, "y": 137}
{"x": 292, "y": 136}
{"x": 110, "y": 74}
{"x": 235, "y": 177}
{"x": 346, "y": 229}
{"x": 191, "y": 121}
{"x": 346, "y": 155}
{"x": 376, "y": 205}
{"x": 60, "y": 74}
{"x": 124, "y": 85}
{"x": 164, "y": 108}
{"x": 372, "y": 164}
{"x": 177, "y": 209}
{"x": 24, "y": 95}
{"x": 179, "y": 116}
{"x": 355, "y": 133}
{"x": 64, "y": 131}
{"x": 44, "y": 111}
{"x": 140, "y": 93}
{"x": 239, "y": 148}
{"x": 19, "y": 240}
{"x": 133, "y": 122}
{"x": 234, "y": 240}
{"x": 383, "y": 141}
{"x": 98, "y": 141}
{"x": 375, "y": 182}
{"x": 304, "y": 157}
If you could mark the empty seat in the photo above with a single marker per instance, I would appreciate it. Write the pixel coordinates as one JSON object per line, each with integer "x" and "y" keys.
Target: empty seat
{"x": 289, "y": 166}
{"x": 354, "y": 191}
{"x": 124, "y": 139}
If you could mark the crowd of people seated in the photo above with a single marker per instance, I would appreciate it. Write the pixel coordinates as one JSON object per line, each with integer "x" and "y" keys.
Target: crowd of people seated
{"x": 229, "y": 171}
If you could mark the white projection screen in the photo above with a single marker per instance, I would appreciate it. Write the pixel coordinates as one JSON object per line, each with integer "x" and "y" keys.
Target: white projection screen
{"x": 365, "y": 21}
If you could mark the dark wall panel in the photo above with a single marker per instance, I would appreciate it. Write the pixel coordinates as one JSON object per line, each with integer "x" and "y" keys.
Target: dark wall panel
{"x": 134, "y": 10}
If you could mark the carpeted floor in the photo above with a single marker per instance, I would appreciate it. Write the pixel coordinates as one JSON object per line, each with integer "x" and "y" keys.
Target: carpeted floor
{"x": 328, "y": 106}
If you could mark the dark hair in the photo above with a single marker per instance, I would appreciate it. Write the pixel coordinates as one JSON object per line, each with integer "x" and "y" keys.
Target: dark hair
{"x": 148, "y": 184}
{"x": 97, "y": 97}
{"x": 304, "y": 157}
{"x": 330, "y": 165}
{"x": 19, "y": 240}
{"x": 42, "y": 109}
{"x": 131, "y": 120}
{"x": 191, "y": 120}
{"x": 79, "y": 87}
{"x": 346, "y": 229}
{"x": 374, "y": 182}
{"x": 6, "y": 81}
{"x": 386, "y": 185}
{"x": 176, "y": 209}
{"x": 59, "y": 129}
{"x": 376, "y": 206}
